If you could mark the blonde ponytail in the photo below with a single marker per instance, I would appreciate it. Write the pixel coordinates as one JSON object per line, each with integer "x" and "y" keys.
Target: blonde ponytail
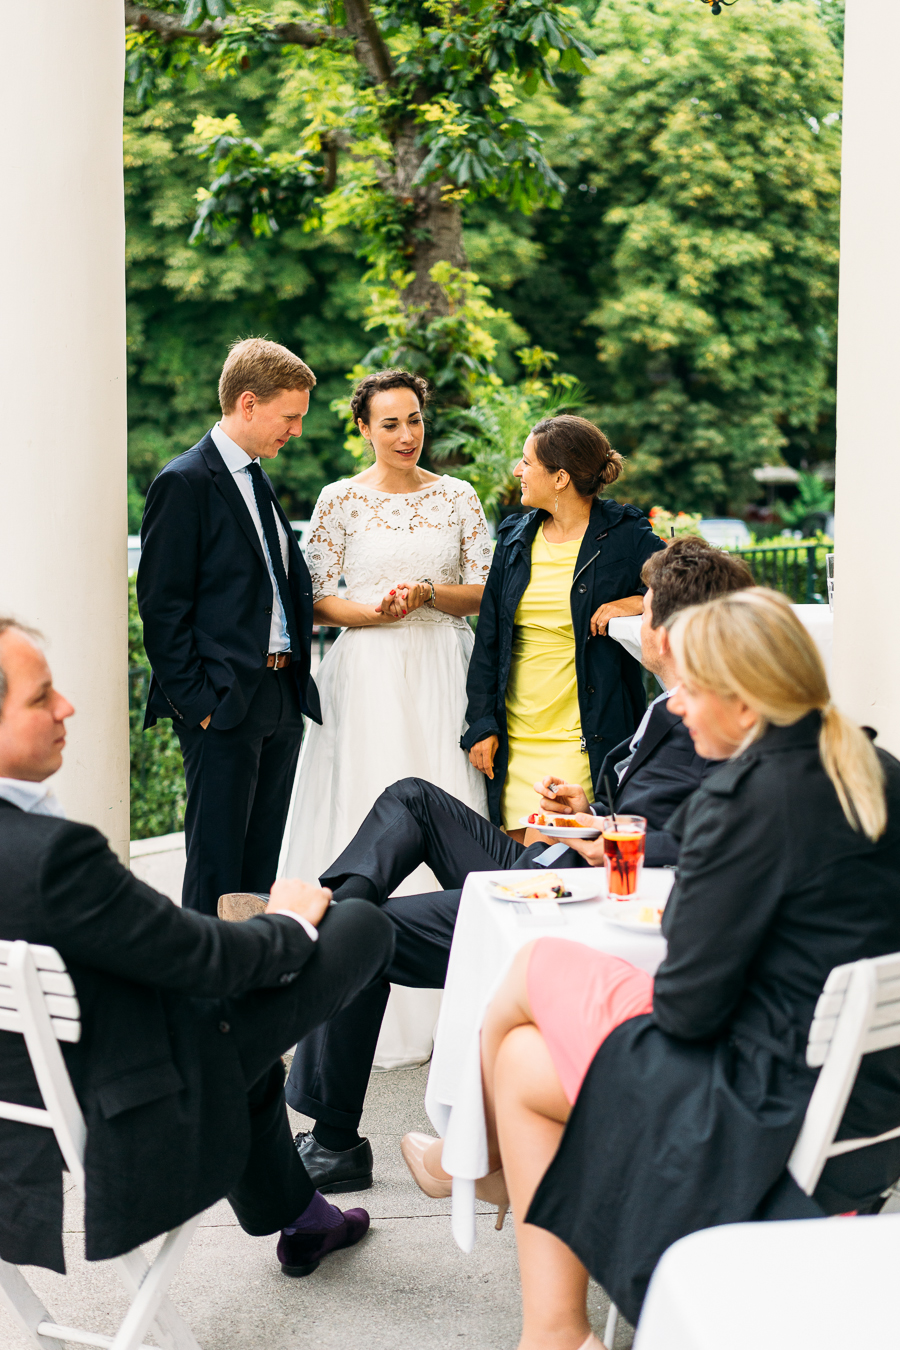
{"x": 752, "y": 645}
{"x": 853, "y": 766}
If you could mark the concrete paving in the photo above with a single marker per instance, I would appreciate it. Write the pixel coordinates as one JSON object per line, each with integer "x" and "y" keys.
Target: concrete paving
{"x": 406, "y": 1287}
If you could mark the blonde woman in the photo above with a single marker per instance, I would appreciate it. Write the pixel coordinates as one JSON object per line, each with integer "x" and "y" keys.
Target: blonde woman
{"x": 629, "y": 1111}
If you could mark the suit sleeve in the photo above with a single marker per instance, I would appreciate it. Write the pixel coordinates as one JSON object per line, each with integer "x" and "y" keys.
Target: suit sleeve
{"x": 166, "y": 587}
{"x": 731, "y": 876}
{"x": 101, "y": 915}
{"x": 481, "y": 682}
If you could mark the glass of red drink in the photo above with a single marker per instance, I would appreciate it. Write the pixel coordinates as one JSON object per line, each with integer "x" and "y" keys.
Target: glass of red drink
{"x": 623, "y": 854}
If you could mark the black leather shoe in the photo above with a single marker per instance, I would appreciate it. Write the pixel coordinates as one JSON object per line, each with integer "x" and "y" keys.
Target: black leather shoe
{"x": 330, "y": 1171}
{"x": 300, "y": 1253}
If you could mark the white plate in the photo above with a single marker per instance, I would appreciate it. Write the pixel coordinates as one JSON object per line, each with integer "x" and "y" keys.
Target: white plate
{"x": 561, "y": 831}
{"x": 633, "y": 914}
{"x": 588, "y": 887}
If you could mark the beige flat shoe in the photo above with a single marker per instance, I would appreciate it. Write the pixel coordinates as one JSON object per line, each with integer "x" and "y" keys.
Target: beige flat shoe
{"x": 240, "y": 905}
{"x": 491, "y": 1189}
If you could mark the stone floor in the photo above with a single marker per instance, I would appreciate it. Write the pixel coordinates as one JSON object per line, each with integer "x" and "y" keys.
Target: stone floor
{"x": 406, "y": 1287}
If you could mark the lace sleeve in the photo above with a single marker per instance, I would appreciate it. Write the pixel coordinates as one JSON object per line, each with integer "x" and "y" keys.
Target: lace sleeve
{"x": 325, "y": 545}
{"x": 475, "y": 551}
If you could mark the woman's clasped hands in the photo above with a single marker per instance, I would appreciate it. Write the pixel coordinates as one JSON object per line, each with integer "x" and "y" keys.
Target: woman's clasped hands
{"x": 402, "y": 599}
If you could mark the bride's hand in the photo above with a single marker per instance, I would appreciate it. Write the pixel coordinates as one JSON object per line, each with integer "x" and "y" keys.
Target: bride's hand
{"x": 389, "y": 609}
{"x": 415, "y": 594}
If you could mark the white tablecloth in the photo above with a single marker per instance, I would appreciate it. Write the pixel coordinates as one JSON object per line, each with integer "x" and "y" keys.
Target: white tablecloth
{"x": 488, "y": 934}
{"x": 816, "y": 619}
{"x": 823, "y": 1283}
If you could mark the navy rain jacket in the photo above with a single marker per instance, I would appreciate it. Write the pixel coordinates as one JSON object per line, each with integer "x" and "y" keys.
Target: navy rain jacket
{"x": 617, "y": 543}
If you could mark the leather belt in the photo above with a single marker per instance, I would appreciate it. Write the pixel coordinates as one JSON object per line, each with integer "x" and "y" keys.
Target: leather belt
{"x": 278, "y": 660}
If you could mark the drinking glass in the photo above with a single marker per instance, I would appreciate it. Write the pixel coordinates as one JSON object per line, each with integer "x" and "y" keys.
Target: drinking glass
{"x": 623, "y": 854}
{"x": 829, "y": 579}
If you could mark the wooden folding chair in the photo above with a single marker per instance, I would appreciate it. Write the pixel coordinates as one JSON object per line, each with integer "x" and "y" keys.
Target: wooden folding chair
{"x": 37, "y": 999}
{"x": 858, "y": 1012}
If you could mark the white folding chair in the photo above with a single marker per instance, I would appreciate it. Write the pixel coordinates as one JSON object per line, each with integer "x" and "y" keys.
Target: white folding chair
{"x": 37, "y": 999}
{"x": 858, "y": 1012}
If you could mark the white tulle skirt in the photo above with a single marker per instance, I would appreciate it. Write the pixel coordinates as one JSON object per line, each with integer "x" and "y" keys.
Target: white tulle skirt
{"x": 393, "y": 706}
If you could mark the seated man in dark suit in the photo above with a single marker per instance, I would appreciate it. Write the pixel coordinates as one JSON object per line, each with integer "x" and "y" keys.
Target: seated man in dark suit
{"x": 184, "y": 1020}
{"x": 414, "y": 822}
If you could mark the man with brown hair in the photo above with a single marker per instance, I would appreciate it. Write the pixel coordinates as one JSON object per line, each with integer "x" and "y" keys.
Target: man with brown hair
{"x": 226, "y": 601}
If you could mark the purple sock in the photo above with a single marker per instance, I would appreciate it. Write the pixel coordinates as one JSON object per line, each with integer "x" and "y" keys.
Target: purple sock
{"x": 318, "y": 1217}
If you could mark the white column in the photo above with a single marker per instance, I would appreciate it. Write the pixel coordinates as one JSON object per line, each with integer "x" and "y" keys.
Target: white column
{"x": 866, "y": 671}
{"x": 63, "y": 522}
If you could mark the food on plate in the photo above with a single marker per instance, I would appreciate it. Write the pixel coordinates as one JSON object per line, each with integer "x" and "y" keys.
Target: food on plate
{"x": 555, "y": 822}
{"x": 651, "y": 914}
{"x": 549, "y": 887}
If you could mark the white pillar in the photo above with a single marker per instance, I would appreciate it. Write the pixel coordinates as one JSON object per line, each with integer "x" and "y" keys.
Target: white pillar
{"x": 63, "y": 522}
{"x": 866, "y": 671}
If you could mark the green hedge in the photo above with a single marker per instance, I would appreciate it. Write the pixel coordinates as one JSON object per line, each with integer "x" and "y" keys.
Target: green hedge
{"x": 157, "y": 780}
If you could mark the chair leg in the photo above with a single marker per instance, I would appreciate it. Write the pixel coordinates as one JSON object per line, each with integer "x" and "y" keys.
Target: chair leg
{"x": 150, "y": 1304}
{"x": 27, "y": 1308}
{"x": 612, "y": 1321}
{"x": 172, "y": 1331}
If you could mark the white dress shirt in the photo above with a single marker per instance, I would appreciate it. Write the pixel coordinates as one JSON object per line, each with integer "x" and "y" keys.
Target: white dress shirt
{"x": 38, "y": 800}
{"x": 639, "y": 734}
{"x": 237, "y": 461}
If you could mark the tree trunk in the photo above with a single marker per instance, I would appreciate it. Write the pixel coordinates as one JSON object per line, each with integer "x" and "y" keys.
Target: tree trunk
{"x": 435, "y": 233}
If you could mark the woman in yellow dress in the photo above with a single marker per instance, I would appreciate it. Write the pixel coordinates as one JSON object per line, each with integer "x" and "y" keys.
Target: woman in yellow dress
{"x": 549, "y": 691}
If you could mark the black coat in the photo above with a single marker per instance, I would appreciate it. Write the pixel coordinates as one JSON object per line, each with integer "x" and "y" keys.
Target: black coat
{"x": 688, "y": 1115}
{"x": 205, "y": 596}
{"x": 617, "y": 543}
{"x": 664, "y": 771}
{"x": 161, "y": 1088}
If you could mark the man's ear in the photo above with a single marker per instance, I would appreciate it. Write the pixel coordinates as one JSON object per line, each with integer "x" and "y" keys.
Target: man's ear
{"x": 665, "y": 646}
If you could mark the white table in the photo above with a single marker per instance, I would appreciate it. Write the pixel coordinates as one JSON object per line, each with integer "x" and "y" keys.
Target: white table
{"x": 816, "y": 619}
{"x": 487, "y": 936}
{"x": 823, "y": 1283}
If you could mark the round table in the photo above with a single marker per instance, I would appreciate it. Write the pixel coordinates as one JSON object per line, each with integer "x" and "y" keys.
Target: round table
{"x": 487, "y": 936}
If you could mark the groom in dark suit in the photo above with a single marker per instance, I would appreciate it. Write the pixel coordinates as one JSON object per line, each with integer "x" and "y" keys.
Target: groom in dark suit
{"x": 414, "y": 822}
{"x": 226, "y": 601}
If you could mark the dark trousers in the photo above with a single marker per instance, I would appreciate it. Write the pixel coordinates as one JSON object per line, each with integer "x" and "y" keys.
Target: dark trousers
{"x": 238, "y": 794}
{"x": 412, "y": 822}
{"x": 354, "y": 948}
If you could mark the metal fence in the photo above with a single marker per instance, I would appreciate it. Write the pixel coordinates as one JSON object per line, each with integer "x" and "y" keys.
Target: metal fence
{"x": 798, "y": 571}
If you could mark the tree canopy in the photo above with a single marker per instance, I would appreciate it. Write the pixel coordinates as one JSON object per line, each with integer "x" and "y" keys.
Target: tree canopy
{"x": 646, "y": 189}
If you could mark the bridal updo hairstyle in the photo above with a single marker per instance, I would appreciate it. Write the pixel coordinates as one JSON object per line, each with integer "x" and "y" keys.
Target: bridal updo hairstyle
{"x": 581, "y": 449}
{"x": 377, "y": 383}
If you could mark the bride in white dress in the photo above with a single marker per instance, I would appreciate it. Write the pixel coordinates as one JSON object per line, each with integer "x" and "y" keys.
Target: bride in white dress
{"x": 414, "y": 551}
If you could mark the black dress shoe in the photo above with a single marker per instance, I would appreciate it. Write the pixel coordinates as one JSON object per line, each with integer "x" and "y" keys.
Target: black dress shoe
{"x": 300, "y": 1253}
{"x": 331, "y": 1171}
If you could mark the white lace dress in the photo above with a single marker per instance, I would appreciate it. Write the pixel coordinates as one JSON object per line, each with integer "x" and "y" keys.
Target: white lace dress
{"x": 393, "y": 698}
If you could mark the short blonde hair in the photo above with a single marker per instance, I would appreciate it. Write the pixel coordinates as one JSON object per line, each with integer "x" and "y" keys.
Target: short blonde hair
{"x": 262, "y": 367}
{"x": 752, "y": 646}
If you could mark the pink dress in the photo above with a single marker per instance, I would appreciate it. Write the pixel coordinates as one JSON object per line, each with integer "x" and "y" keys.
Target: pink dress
{"x": 578, "y": 996}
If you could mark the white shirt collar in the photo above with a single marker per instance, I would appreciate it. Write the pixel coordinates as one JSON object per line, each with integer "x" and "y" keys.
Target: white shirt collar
{"x": 35, "y": 798}
{"x": 235, "y": 458}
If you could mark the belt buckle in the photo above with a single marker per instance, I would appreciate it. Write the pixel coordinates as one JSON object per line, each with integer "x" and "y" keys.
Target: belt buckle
{"x": 280, "y": 663}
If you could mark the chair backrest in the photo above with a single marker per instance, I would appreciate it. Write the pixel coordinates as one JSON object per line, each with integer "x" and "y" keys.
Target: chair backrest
{"x": 38, "y": 1000}
{"x": 858, "y": 1012}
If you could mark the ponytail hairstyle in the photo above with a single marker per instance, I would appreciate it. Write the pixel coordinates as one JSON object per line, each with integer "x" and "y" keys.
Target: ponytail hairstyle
{"x": 752, "y": 645}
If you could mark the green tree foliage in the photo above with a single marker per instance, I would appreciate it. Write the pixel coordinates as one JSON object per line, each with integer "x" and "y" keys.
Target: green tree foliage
{"x": 187, "y": 304}
{"x": 686, "y": 277}
{"x": 157, "y": 781}
{"x": 707, "y": 155}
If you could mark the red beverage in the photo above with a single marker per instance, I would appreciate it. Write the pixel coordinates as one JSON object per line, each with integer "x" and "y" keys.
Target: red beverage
{"x": 623, "y": 854}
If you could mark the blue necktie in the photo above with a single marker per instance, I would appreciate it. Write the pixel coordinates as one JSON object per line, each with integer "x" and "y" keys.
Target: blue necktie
{"x": 264, "y": 505}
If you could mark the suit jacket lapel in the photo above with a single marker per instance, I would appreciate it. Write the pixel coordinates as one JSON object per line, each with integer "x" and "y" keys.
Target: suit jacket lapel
{"x": 230, "y": 491}
{"x": 661, "y": 723}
